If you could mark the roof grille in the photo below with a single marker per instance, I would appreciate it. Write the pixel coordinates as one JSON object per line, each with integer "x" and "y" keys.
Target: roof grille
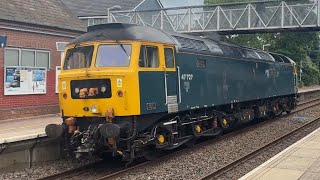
{"x": 187, "y": 43}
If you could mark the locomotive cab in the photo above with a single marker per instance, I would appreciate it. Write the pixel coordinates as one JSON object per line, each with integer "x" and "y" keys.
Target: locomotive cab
{"x": 96, "y": 77}
{"x": 108, "y": 83}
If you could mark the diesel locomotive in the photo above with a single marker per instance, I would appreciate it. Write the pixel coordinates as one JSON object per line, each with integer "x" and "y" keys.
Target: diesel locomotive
{"x": 128, "y": 90}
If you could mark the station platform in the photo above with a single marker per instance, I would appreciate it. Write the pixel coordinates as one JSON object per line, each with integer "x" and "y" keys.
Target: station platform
{"x": 14, "y": 130}
{"x": 308, "y": 89}
{"x": 299, "y": 161}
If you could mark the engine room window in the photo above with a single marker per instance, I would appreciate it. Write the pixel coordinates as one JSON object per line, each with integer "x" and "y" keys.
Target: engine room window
{"x": 113, "y": 55}
{"x": 79, "y": 57}
{"x": 149, "y": 57}
{"x": 168, "y": 53}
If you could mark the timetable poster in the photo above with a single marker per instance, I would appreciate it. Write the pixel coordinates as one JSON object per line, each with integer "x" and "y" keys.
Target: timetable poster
{"x": 25, "y": 80}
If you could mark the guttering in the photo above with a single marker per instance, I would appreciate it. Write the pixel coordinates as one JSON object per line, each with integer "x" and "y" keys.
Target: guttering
{"x": 37, "y": 31}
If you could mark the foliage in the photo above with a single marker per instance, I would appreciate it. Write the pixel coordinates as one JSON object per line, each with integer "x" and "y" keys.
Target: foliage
{"x": 302, "y": 47}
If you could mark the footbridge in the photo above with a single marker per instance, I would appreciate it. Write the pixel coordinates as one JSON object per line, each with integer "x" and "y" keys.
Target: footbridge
{"x": 263, "y": 16}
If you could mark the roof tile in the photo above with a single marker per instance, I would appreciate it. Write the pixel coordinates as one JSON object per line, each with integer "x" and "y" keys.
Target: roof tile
{"x": 98, "y": 7}
{"x": 51, "y": 13}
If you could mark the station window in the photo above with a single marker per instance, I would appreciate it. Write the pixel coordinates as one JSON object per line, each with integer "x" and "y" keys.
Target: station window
{"x": 26, "y": 57}
{"x": 149, "y": 57}
{"x": 168, "y": 53}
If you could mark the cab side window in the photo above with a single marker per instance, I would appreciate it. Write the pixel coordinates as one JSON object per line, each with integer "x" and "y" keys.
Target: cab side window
{"x": 149, "y": 56}
{"x": 168, "y": 53}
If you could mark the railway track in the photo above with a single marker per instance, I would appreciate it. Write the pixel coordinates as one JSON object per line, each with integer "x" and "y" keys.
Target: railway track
{"x": 131, "y": 169}
{"x": 115, "y": 171}
{"x": 249, "y": 156}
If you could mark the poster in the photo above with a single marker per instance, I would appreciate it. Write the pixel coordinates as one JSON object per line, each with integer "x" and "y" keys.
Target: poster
{"x": 25, "y": 80}
{"x": 58, "y": 68}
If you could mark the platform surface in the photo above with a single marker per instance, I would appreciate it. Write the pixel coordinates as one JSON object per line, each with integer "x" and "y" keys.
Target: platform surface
{"x": 14, "y": 130}
{"x": 299, "y": 161}
{"x": 307, "y": 89}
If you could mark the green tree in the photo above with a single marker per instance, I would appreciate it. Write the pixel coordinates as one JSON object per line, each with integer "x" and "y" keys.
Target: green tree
{"x": 302, "y": 47}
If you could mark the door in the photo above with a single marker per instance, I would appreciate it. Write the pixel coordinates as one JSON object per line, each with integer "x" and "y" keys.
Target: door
{"x": 170, "y": 78}
{"x": 151, "y": 79}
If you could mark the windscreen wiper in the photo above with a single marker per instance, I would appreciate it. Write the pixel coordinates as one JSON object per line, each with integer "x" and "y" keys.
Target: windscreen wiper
{"x": 121, "y": 45}
{"x": 73, "y": 50}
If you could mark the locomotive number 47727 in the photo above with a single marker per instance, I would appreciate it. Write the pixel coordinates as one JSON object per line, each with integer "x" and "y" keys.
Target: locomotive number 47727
{"x": 187, "y": 77}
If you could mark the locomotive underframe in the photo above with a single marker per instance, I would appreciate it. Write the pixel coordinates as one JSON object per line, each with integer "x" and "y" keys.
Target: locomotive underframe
{"x": 135, "y": 136}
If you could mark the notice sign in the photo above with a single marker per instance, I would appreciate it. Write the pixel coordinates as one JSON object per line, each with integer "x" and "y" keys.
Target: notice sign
{"x": 58, "y": 69}
{"x": 25, "y": 80}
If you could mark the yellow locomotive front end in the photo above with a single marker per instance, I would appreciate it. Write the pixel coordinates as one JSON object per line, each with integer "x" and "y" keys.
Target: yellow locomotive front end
{"x": 108, "y": 102}
{"x": 98, "y": 77}
{"x": 98, "y": 95}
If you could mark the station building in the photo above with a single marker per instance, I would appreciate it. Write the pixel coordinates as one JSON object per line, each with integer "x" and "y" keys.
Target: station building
{"x": 96, "y": 11}
{"x": 36, "y": 32}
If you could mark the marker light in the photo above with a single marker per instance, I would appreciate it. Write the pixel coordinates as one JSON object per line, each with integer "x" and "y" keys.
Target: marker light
{"x": 120, "y": 93}
{"x": 103, "y": 89}
{"x": 65, "y": 95}
{"x": 94, "y": 109}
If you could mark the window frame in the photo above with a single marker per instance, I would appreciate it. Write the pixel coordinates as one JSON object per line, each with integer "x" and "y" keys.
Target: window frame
{"x": 34, "y": 60}
{"x": 174, "y": 58}
{"x": 35, "y": 57}
{"x": 93, "y": 58}
{"x": 49, "y": 57}
{"x": 96, "y": 51}
{"x": 159, "y": 58}
{"x": 11, "y": 48}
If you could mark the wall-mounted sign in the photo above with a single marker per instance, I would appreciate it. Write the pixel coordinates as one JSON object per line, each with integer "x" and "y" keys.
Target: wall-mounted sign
{"x": 61, "y": 46}
{"x": 25, "y": 80}
{"x": 58, "y": 69}
{"x": 3, "y": 41}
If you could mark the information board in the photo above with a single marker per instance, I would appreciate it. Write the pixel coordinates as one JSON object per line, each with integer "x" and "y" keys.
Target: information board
{"x": 58, "y": 69}
{"x": 25, "y": 80}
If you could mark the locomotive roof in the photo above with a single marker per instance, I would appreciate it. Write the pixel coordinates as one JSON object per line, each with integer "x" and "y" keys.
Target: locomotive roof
{"x": 183, "y": 42}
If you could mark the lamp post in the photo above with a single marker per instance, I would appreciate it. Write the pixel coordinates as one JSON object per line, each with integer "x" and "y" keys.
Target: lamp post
{"x": 113, "y": 8}
{"x": 265, "y": 45}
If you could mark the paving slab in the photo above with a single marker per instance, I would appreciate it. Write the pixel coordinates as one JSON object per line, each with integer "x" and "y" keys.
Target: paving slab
{"x": 14, "y": 130}
{"x": 300, "y": 161}
{"x": 306, "y": 89}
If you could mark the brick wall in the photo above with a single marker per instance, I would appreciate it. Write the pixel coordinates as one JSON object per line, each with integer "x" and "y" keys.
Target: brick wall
{"x": 29, "y": 105}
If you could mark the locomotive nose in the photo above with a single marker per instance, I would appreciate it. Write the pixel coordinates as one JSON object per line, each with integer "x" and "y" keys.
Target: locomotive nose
{"x": 54, "y": 130}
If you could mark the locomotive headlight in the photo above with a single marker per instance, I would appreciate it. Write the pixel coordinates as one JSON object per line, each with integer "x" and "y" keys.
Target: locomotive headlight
{"x": 94, "y": 109}
{"x": 77, "y": 90}
{"x": 103, "y": 89}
